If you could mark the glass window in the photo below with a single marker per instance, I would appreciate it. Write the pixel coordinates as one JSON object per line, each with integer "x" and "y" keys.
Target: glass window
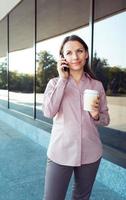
{"x": 57, "y": 17}
{"x": 21, "y": 65}
{"x": 3, "y": 64}
{"x": 110, "y": 65}
{"x": 48, "y": 50}
{"x": 22, "y": 58}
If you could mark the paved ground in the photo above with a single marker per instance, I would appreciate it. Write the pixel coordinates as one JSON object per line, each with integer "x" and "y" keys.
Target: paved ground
{"x": 22, "y": 165}
{"x": 22, "y": 169}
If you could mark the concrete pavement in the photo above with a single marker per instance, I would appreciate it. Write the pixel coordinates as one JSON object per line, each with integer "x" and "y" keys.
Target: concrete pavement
{"x": 22, "y": 169}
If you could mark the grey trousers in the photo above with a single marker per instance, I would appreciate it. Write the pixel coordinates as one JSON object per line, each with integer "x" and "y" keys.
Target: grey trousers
{"x": 57, "y": 179}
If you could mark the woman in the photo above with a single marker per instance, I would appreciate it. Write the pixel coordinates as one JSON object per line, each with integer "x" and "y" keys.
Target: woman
{"x": 74, "y": 146}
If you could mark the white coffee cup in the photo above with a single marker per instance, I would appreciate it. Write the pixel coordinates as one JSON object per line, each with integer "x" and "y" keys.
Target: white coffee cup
{"x": 88, "y": 97}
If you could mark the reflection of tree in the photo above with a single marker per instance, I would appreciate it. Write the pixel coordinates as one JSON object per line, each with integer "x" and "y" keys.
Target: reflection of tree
{"x": 100, "y": 70}
{"x": 46, "y": 70}
{"x": 113, "y": 78}
{"x": 17, "y": 81}
{"x": 20, "y": 82}
{"x": 3, "y": 75}
{"x": 117, "y": 80}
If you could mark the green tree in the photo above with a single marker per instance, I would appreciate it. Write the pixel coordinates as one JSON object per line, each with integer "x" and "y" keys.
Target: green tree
{"x": 113, "y": 78}
{"x": 117, "y": 80}
{"x": 46, "y": 70}
{"x": 100, "y": 69}
{"x": 3, "y": 75}
{"x": 20, "y": 82}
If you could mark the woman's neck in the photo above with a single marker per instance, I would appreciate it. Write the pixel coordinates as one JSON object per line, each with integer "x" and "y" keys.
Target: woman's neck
{"x": 77, "y": 75}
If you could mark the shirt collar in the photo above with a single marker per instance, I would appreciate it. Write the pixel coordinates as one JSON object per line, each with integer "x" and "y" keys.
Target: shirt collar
{"x": 84, "y": 76}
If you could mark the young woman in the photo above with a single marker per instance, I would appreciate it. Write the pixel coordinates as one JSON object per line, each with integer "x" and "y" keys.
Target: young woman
{"x": 74, "y": 146}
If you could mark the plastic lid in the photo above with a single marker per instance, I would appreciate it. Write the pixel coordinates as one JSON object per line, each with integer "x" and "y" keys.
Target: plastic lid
{"x": 88, "y": 91}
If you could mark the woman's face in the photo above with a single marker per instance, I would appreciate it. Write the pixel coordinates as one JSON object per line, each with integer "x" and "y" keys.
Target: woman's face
{"x": 75, "y": 55}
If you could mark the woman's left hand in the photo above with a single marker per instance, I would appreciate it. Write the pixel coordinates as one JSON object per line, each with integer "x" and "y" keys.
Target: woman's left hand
{"x": 95, "y": 109}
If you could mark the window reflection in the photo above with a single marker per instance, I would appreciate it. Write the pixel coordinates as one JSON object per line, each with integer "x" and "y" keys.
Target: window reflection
{"x": 3, "y": 82}
{"x": 45, "y": 70}
{"x": 21, "y": 72}
{"x": 110, "y": 65}
{"x": 22, "y": 57}
{"x": 3, "y": 64}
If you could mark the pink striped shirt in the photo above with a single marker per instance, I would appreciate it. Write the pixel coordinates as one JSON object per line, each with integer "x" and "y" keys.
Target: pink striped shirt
{"x": 74, "y": 139}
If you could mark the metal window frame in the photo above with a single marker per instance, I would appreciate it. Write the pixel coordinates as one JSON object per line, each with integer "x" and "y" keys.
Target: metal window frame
{"x": 91, "y": 28}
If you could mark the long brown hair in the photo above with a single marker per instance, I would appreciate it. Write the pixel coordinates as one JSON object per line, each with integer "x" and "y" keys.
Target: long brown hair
{"x": 87, "y": 69}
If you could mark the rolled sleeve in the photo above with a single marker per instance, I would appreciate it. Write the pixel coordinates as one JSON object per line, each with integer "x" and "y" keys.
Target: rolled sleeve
{"x": 104, "y": 118}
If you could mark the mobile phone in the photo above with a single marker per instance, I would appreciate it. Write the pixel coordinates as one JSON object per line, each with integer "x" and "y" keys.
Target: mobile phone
{"x": 65, "y": 68}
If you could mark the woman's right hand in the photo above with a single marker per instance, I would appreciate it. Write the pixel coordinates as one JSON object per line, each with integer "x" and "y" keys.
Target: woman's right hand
{"x": 60, "y": 68}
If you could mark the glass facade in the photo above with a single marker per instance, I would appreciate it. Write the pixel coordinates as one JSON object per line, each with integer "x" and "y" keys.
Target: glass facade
{"x": 3, "y": 64}
{"x": 28, "y": 62}
{"x": 22, "y": 59}
{"x": 110, "y": 65}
